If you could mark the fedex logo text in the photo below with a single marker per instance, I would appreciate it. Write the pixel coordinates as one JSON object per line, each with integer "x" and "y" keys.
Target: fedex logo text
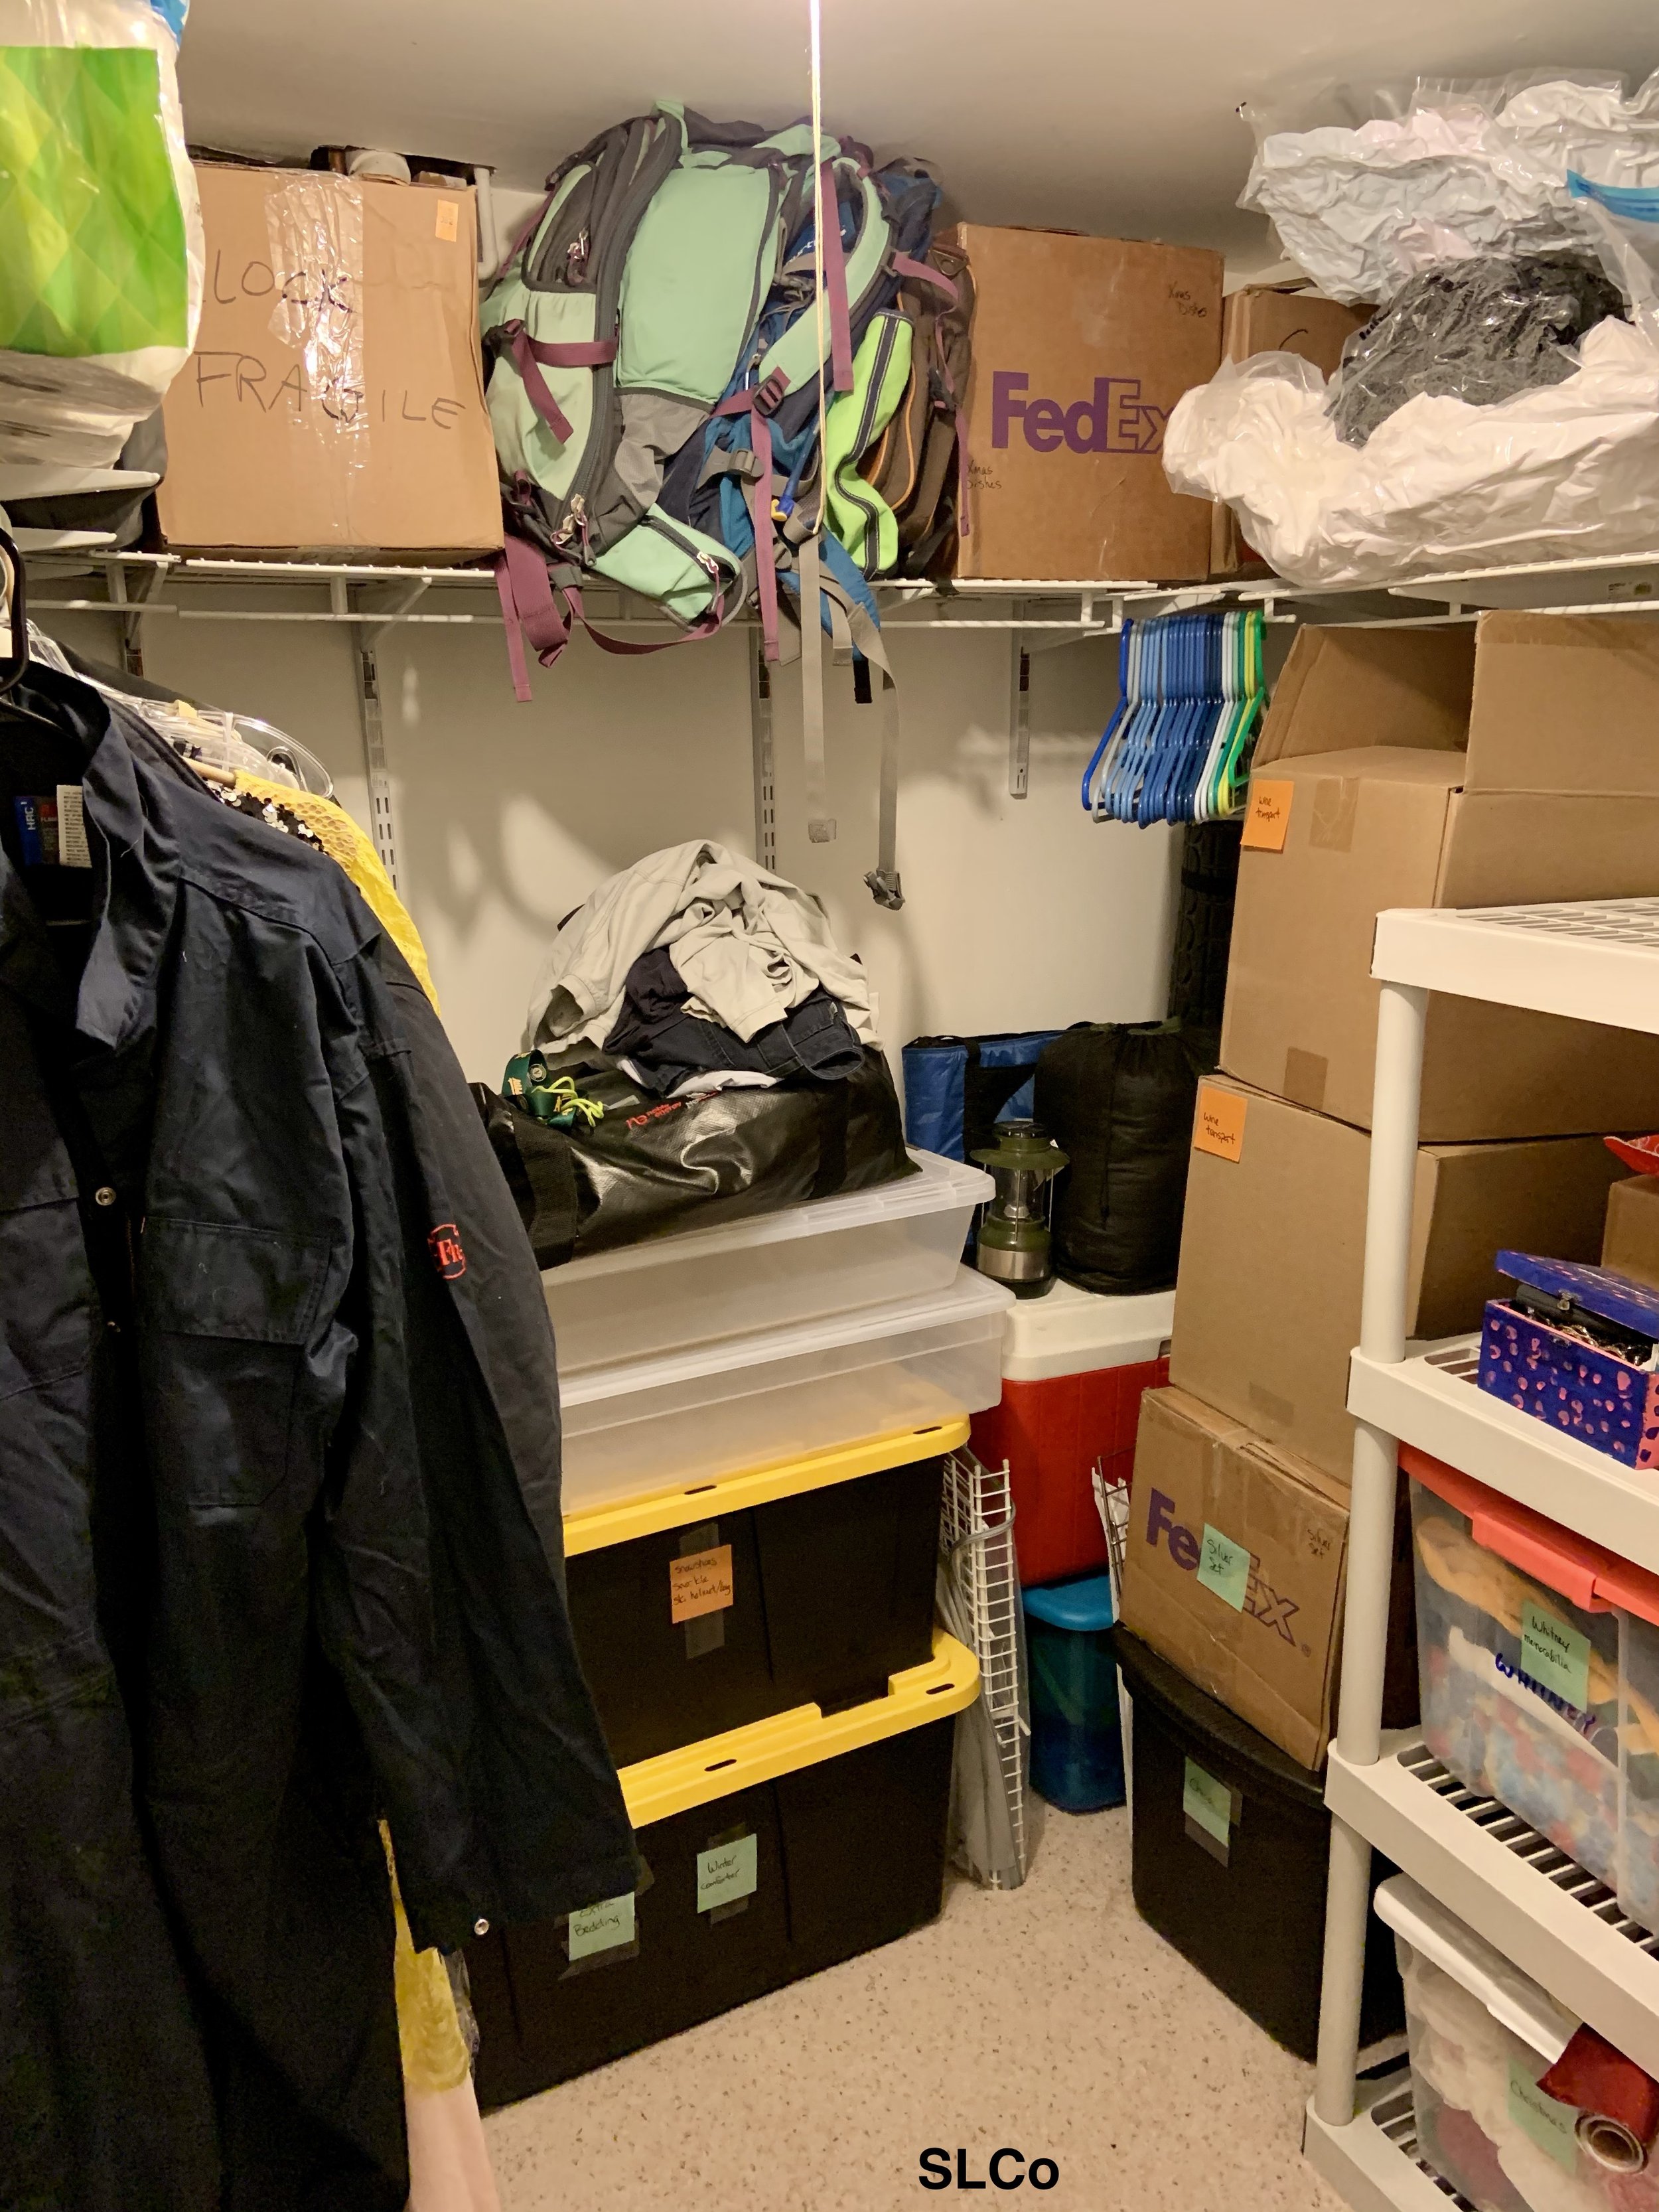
{"x": 1261, "y": 1602}
{"x": 1116, "y": 420}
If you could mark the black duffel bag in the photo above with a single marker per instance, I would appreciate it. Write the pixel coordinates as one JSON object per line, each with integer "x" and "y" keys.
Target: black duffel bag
{"x": 650, "y": 1166}
{"x": 1118, "y": 1099}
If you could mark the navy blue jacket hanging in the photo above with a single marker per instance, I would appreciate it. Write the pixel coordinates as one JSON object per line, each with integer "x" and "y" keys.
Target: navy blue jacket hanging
{"x": 279, "y": 1473}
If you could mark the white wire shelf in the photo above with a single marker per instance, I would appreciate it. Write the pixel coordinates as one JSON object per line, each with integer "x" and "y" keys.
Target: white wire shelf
{"x": 1555, "y": 1922}
{"x": 1594, "y": 960}
{"x": 1066, "y": 607}
{"x": 1373, "y": 2163}
{"x": 1434, "y": 1403}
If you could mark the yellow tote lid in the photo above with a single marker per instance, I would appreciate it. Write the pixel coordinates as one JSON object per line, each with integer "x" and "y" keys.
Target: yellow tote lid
{"x": 706, "y": 1501}
{"x": 656, "y": 1789}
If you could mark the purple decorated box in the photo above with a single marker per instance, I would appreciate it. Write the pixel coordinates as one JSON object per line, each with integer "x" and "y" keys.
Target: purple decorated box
{"x": 1590, "y": 1391}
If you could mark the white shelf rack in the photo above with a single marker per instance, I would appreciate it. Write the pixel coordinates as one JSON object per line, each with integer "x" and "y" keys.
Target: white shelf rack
{"x": 167, "y": 584}
{"x": 1432, "y": 1401}
{"x": 1595, "y": 961}
{"x": 1371, "y": 2159}
{"x": 1557, "y": 1922}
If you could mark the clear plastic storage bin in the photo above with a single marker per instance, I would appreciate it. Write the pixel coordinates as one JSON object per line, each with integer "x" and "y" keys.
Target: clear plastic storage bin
{"x": 1483, "y": 2035}
{"x": 1538, "y": 1660}
{"x": 651, "y": 1424}
{"x": 903, "y": 1240}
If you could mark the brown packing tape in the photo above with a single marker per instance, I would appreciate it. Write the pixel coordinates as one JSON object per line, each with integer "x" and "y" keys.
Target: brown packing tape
{"x": 1305, "y": 1076}
{"x": 1335, "y": 804}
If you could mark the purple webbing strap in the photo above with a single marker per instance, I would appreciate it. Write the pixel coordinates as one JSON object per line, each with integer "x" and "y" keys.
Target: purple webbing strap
{"x": 530, "y": 610}
{"x": 835, "y": 284}
{"x": 530, "y": 354}
{"x": 920, "y": 273}
{"x": 760, "y": 509}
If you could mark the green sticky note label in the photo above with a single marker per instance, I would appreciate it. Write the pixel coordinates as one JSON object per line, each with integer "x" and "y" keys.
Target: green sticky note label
{"x": 1206, "y": 1802}
{"x": 1552, "y": 2126}
{"x": 727, "y": 1872}
{"x": 1224, "y": 1568}
{"x": 1554, "y": 1654}
{"x": 602, "y": 1927}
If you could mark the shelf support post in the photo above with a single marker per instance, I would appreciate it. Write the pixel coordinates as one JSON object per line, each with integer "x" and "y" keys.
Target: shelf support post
{"x": 1019, "y": 709}
{"x": 366, "y": 671}
{"x": 1395, "y": 1105}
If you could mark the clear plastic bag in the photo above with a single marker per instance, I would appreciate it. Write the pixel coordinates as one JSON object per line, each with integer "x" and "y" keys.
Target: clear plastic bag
{"x": 1562, "y": 472}
{"x": 101, "y": 284}
{"x": 1477, "y": 331}
{"x": 1623, "y": 220}
{"x": 1446, "y": 172}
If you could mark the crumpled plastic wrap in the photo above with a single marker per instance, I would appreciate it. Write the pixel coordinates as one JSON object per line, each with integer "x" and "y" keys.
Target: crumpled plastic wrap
{"x": 1476, "y": 331}
{"x": 100, "y": 281}
{"x": 1560, "y": 472}
{"x": 1465, "y": 170}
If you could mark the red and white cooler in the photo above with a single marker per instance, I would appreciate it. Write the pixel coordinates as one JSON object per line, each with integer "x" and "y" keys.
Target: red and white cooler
{"x": 1074, "y": 1366}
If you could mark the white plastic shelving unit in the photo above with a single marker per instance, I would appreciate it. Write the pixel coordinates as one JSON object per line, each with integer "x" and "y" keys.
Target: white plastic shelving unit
{"x": 1597, "y": 961}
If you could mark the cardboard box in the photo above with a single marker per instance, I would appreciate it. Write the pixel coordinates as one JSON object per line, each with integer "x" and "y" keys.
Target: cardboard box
{"x": 1630, "y": 1238}
{"x": 1234, "y": 1567}
{"x": 1272, "y": 1248}
{"x": 335, "y": 400}
{"x": 1273, "y": 319}
{"x": 1082, "y": 346}
{"x": 1420, "y": 769}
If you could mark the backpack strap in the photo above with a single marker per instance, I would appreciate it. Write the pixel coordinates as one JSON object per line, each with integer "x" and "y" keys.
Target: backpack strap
{"x": 531, "y": 610}
{"x": 835, "y": 284}
{"x": 757, "y": 402}
{"x": 531, "y": 355}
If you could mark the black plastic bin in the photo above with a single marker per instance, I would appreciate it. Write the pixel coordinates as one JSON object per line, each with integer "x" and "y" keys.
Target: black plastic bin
{"x": 842, "y": 1852}
{"x": 827, "y": 1591}
{"x": 1230, "y": 1846}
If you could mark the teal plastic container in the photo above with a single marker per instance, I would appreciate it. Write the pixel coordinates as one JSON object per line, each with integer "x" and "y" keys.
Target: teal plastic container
{"x": 1077, "y": 1746}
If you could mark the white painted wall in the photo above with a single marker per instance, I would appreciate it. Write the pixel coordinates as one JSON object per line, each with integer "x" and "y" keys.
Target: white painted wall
{"x": 1019, "y": 914}
{"x": 1108, "y": 115}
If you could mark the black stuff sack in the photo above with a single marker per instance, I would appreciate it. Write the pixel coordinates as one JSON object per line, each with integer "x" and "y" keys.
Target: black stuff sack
{"x": 1118, "y": 1098}
{"x": 650, "y": 1167}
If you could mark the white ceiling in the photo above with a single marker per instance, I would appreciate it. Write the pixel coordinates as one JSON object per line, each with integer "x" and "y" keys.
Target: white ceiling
{"x": 1107, "y": 115}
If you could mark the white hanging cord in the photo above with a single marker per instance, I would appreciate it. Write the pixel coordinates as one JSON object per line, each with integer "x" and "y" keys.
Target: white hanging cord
{"x": 820, "y": 826}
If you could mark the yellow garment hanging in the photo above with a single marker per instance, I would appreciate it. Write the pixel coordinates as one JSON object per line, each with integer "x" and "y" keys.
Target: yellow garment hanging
{"x": 342, "y": 840}
{"x": 435, "y": 2052}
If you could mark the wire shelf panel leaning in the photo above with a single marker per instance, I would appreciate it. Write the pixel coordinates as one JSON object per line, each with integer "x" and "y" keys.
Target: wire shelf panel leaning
{"x": 991, "y": 1826}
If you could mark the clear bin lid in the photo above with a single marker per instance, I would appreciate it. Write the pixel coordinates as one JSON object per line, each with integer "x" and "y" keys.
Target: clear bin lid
{"x": 972, "y": 1296}
{"x": 942, "y": 1187}
{"x": 1512, "y": 1998}
{"x": 1586, "y": 1574}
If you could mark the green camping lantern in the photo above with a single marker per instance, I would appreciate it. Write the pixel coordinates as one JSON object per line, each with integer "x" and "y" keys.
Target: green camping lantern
{"x": 1014, "y": 1237}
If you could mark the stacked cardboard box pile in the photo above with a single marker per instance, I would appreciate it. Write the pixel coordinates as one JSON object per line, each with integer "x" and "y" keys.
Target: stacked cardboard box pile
{"x": 1397, "y": 769}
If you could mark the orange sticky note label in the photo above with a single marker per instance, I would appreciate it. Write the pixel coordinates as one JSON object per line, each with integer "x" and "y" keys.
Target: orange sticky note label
{"x": 449, "y": 220}
{"x": 1219, "y": 1127}
{"x": 699, "y": 1583}
{"x": 1268, "y": 822}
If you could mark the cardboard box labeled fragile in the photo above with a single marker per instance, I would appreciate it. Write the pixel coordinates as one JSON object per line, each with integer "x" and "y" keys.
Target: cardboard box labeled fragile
{"x": 1272, "y": 1253}
{"x": 1269, "y": 319}
{"x": 1424, "y": 769}
{"x": 1082, "y": 346}
{"x": 335, "y": 399}
{"x": 1234, "y": 1569}
{"x": 1630, "y": 1238}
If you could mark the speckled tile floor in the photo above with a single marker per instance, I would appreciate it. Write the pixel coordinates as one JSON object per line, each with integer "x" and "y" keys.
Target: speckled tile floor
{"x": 1051, "y": 2019}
